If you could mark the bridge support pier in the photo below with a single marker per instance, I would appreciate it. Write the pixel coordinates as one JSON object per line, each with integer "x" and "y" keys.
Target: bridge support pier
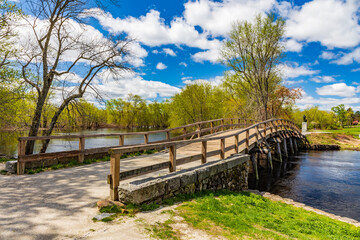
{"x": 291, "y": 146}
{"x": 269, "y": 158}
{"x": 278, "y": 150}
{"x": 295, "y": 145}
{"x": 254, "y": 163}
{"x": 285, "y": 148}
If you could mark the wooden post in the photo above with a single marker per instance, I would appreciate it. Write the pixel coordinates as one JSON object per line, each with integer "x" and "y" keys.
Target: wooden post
{"x": 285, "y": 148}
{"x": 291, "y": 146}
{"x": 295, "y": 145}
{"x": 81, "y": 149}
{"x": 238, "y": 123}
{"x": 167, "y": 135}
{"x": 232, "y": 123}
{"x": 172, "y": 158}
{"x": 21, "y": 152}
{"x": 265, "y": 130}
{"x": 236, "y": 143}
{"x": 203, "y": 151}
{"x": 222, "y": 124}
{"x": 121, "y": 140}
{"x": 199, "y": 130}
{"x": 184, "y": 133}
{"x": 245, "y": 122}
{"x": 254, "y": 163}
{"x": 257, "y": 133}
{"x": 146, "y": 138}
{"x": 270, "y": 159}
{"x": 212, "y": 127}
{"x": 222, "y": 148}
{"x": 114, "y": 176}
{"x": 247, "y": 142}
{"x": 278, "y": 150}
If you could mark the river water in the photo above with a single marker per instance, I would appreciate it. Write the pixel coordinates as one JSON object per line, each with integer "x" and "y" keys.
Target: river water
{"x": 327, "y": 180}
{"x": 9, "y": 140}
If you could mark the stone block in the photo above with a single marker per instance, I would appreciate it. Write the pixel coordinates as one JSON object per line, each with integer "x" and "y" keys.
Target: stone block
{"x": 172, "y": 184}
{"x": 141, "y": 193}
{"x": 203, "y": 173}
{"x": 11, "y": 166}
{"x": 188, "y": 178}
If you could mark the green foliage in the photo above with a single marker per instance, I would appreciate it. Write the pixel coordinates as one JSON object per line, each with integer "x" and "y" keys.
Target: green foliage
{"x": 246, "y": 215}
{"x": 135, "y": 112}
{"x": 197, "y": 101}
{"x": 341, "y": 113}
{"x": 317, "y": 119}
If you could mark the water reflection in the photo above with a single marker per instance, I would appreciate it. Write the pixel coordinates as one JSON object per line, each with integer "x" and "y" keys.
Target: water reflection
{"x": 9, "y": 140}
{"x": 327, "y": 180}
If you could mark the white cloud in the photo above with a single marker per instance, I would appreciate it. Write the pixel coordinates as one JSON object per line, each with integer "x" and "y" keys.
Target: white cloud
{"x": 215, "y": 81}
{"x": 323, "y": 79}
{"x": 211, "y": 55}
{"x": 337, "y": 89}
{"x": 151, "y": 30}
{"x": 296, "y": 71}
{"x": 349, "y": 58}
{"x": 292, "y": 45}
{"x": 333, "y": 23}
{"x": 169, "y": 51}
{"x": 161, "y": 66}
{"x": 355, "y": 70}
{"x": 328, "y": 55}
{"x": 183, "y": 64}
{"x": 155, "y": 51}
{"x": 216, "y": 17}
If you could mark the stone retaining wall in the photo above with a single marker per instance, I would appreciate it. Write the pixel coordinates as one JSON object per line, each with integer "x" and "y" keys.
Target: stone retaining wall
{"x": 230, "y": 173}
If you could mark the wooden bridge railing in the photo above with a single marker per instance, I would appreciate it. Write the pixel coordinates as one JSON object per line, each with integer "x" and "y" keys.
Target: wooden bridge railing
{"x": 258, "y": 132}
{"x": 187, "y": 131}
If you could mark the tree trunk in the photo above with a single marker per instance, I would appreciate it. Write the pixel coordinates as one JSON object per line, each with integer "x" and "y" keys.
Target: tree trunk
{"x": 34, "y": 129}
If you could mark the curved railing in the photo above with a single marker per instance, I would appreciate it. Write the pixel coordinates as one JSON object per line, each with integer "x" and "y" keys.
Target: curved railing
{"x": 197, "y": 129}
{"x": 254, "y": 134}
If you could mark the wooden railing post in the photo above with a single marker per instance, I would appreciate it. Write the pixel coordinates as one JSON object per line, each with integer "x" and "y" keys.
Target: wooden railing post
{"x": 114, "y": 176}
{"x": 232, "y": 123}
{"x": 236, "y": 143}
{"x": 167, "y": 135}
{"x": 245, "y": 122}
{"x": 81, "y": 149}
{"x": 121, "y": 140}
{"x": 238, "y": 123}
{"x": 172, "y": 158}
{"x": 184, "y": 133}
{"x": 203, "y": 151}
{"x": 199, "y": 130}
{"x": 146, "y": 138}
{"x": 247, "y": 142}
{"x": 212, "y": 127}
{"x": 222, "y": 124}
{"x": 222, "y": 148}
{"x": 265, "y": 130}
{"x": 21, "y": 152}
{"x": 257, "y": 133}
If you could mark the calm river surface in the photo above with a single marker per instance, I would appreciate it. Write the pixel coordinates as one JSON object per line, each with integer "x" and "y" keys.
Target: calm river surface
{"x": 8, "y": 140}
{"x": 328, "y": 180}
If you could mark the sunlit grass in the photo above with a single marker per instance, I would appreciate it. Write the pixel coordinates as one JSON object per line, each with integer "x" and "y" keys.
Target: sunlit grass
{"x": 249, "y": 216}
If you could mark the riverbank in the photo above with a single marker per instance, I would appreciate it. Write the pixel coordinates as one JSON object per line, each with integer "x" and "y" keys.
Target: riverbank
{"x": 345, "y": 141}
{"x": 230, "y": 215}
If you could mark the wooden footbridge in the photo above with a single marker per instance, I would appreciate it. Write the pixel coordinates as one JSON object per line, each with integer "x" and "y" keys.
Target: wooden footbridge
{"x": 202, "y": 141}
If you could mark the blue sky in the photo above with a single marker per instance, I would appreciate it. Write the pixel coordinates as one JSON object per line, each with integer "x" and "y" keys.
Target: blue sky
{"x": 178, "y": 42}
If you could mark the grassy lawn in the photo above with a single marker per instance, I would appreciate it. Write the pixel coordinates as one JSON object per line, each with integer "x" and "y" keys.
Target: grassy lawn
{"x": 249, "y": 216}
{"x": 355, "y": 131}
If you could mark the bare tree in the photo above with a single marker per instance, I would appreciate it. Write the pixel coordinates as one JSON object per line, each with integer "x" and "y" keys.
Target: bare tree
{"x": 62, "y": 54}
{"x": 252, "y": 53}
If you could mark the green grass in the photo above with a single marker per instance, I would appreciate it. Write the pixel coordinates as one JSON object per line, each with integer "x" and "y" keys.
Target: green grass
{"x": 249, "y": 216}
{"x": 4, "y": 160}
{"x": 163, "y": 230}
{"x": 75, "y": 163}
{"x": 355, "y": 131}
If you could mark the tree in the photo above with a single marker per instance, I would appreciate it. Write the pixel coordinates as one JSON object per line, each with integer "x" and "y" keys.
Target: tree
{"x": 340, "y": 113}
{"x": 197, "y": 101}
{"x": 252, "y": 53}
{"x": 64, "y": 55}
